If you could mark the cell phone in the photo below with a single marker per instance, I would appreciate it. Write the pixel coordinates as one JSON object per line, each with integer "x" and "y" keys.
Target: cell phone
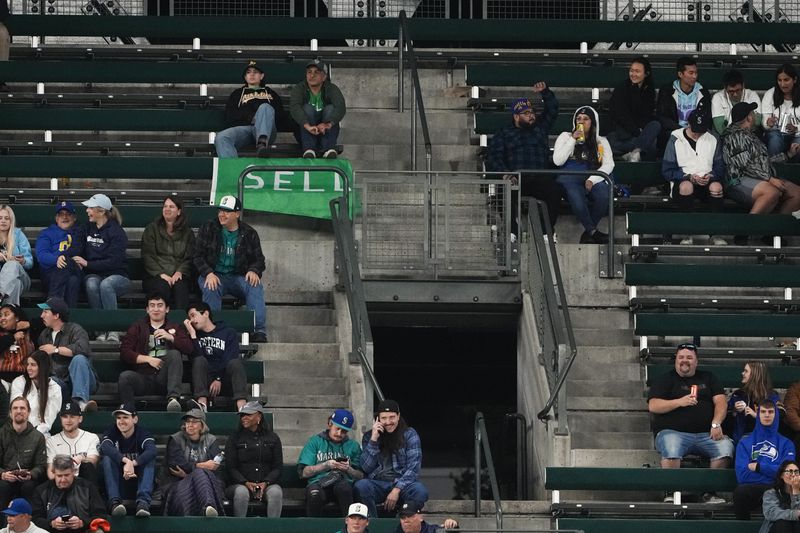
{"x": 65, "y": 517}
{"x": 342, "y": 459}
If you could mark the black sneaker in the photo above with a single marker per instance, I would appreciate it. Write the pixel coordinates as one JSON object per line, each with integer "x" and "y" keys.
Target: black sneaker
{"x": 259, "y": 337}
{"x": 597, "y": 237}
{"x": 117, "y": 509}
{"x": 142, "y": 510}
{"x": 262, "y": 150}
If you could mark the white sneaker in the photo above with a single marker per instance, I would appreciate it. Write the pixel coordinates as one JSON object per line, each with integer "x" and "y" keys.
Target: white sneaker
{"x": 688, "y": 241}
{"x": 119, "y": 510}
{"x": 309, "y": 154}
{"x": 101, "y": 336}
{"x": 669, "y": 497}
{"x": 330, "y": 154}
{"x": 513, "y": 237}
{"x": 712, "y": 498}
{"x": 113, "y": 336}
{"x": 174, "y": 406}
{"x": 211, "y": 512}
{"x": 634, "y": 156}
{"x": 718, "y": 241}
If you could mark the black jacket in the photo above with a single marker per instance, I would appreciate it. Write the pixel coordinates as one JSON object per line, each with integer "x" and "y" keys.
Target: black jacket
{"x": 667, "y": 109}
{"x": 632, "y": 107}
{"x": 244, "y": 102}
{"x": 82, "y": 499}
{"x": 254, "y": 456}
{"x": 4, "y": 12}
{"x": 249, "y": 256}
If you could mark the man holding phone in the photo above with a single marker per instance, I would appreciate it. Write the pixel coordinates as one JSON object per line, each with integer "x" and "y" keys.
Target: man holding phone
{"x": 23, "y": 455}
{"x": 66, "y": 502}
{"x": 331, "y": 461}
{"x": 391, "y": 459}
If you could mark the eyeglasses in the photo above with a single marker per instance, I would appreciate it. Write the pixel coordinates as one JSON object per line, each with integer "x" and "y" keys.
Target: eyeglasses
{"x": 791, "y": 471}
{"x": 687, "y": 346}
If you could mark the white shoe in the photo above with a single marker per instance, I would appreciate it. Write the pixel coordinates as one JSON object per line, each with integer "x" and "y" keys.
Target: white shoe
{"x": 634, "y": 156}
{"x": 113, "y": 336}
{"x": 688, "y": 241}
{"x": 513, "y": 237}
{"x": 712, "y": 498}
{"x": 309, "y": 154}
{"x": 101, "y": 337}
{"x": 211, "y": 512}
{"x": 174, "y": 406}
{"x": 119, "y": 510}
{"x": 717, "y": 241}
{"x": 330, "y": 154}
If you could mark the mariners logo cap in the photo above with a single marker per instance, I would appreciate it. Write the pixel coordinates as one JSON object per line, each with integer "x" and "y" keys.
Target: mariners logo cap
{"x": 358, "y": 509}
{"x": 230, "y": 203}
{"x": 343, "y": 419}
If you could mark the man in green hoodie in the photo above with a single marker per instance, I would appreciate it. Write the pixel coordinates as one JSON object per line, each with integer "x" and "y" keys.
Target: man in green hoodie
{"x": 317, "y": 107}
{"x": 331, "y": 462}
{"x": 23, "y": 455}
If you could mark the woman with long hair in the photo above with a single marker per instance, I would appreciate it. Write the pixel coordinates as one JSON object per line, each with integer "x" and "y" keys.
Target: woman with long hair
{"x": 167, "y": 250}
{"x": 41, "y": 391}
{"x": 15, "y": 257}
{"x": 192, "y": 484}
{"x": 634, "y": 127}
{"x": 781, "y": 504}
{"x": 743, "y": 403}
{"x": 584, "y": 149}
{"x": 99, "y": 250}
{"x": 781, "y": 107}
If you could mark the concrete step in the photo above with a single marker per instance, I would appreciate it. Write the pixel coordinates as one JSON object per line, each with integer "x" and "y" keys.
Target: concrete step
{"x": 309, "y": 369}
{"x": 286, "y": 385}
{"x": 608, "y": 440}
{"x": 587, "y": 369}
{"x": 612, "y": 318}
{"x": 303, "y": 334}
{"x": 603, "y": 337}
{"x": 608, "y": 354}
{"x": 604, "y": 403}
{"x": 324, "y": 401}
{"x": 300, "y": 418}
{"x": 301, "y": 315}
{"x": 278, "y": 351}
{"x": 625, "y": 421}
{"x": 609, "y": 388}
{"x": 624, "y": 458}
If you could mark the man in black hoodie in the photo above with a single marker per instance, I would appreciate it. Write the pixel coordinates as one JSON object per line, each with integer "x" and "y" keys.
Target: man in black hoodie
{"x": 252, "y": 112}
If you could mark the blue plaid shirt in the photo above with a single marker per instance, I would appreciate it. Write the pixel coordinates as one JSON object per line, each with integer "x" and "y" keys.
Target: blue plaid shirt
{"x": 406, "y": 461}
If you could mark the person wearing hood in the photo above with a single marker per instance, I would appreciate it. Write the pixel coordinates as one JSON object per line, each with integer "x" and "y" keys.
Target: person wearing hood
{"x": 215, "y": 359}
{"x": 758, "y": 456}
{"x": 317, "y": 107}
{"x": 678, "y": 99}
{"x": 751, "y": 179}
{"x": 693, "y": 165}
{"x": 252, "y": 112}
{"x": 733, "y": 91}
{"x": 634, "y": 129}
{"x": 99, "y": 251}
{"x": 331, "y": 462}
{"x": 584, "y": 149}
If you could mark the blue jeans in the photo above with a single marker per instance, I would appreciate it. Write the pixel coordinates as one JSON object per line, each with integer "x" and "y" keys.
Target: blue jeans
{"x": 589, "y": 208}
{"x": 371, "y": 492}
{"x": 13, "y": 281}
{"x": 81, "y": 379}
{"x": 63, "y": 282}
{"x": 229, "y": 140}
{"x": 621, "y": 143}
{"x": 102, "y": 292}
{"x": 778, "y": 142}
{"x": 318, "y": 143}
{"x": 676, "y": 444}
{"x": 237, "y": 286}
{"x": 112, "y": 474}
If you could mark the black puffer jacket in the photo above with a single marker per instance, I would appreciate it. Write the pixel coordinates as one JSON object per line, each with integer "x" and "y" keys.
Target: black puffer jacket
{"x": 254, "y": 456}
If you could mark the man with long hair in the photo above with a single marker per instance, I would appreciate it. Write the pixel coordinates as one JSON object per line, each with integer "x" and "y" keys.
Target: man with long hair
{"x": 391, "y": 459}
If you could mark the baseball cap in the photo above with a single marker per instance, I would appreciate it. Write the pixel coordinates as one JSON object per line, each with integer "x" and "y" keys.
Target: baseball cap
{"x": 65, "y": 206}
{"x": 741, "y": 110}
{"x": 251, "y": 407}
{"x": 358, "y": 509}
{"x": 320, "y": 64}
{"x": 125, "y": 409}
{"x": 18, "y": 506}
{"x": 698, "y": 121}
{"x": 195, "y": 413}
{"x": 71, "y": 408}
{"x": 388, "y": 406}
{"x": 230, "y": 203}
{"x": 252, "y": 64}
{"x": 409, "y": 509}
{"x": 56, "y": 305}
{"x": 343, "y": 419}
{"x": 98, "y": 200}
{"x": 521, "y": 105}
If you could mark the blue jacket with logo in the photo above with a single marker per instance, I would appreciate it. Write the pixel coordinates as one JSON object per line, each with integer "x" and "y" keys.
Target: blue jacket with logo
{"x": 767, "y": 448}
{"x": 52, "y": 243}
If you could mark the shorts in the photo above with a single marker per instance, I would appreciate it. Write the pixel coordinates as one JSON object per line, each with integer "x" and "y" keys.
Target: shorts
{"x": 673, "y": 444}
{"x": 742, "y": 192}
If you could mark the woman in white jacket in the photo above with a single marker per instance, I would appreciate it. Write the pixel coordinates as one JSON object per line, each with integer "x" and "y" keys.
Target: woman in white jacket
{"x": 42, "y": 392}
{"x": 585, "y": 150}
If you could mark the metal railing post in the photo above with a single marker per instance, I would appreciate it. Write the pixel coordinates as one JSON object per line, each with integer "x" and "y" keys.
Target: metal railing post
{"x": 400, "y": 71}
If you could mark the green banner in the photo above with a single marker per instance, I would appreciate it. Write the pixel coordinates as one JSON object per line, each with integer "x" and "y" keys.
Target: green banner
{"x": 290, "y": 187}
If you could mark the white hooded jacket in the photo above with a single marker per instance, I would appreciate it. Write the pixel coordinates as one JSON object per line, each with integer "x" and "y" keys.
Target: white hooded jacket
{"x": 565, "y": 146}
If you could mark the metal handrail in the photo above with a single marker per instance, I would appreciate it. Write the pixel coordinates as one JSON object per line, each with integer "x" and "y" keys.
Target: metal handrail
{"x": 482, "y": 437}
{"x": 522, "y": 451}
{"x": 347, "y": 256}
{"x": 412, "y": 60}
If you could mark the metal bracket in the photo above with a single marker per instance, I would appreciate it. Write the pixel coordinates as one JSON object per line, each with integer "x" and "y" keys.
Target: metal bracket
{"x": 602, "y": 263}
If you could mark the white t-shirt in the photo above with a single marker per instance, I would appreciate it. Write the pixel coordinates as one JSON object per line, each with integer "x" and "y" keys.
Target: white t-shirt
{"x": 721, "y": 104}
{"x": 82, "y": 446}
{"x": 786, "y": 108}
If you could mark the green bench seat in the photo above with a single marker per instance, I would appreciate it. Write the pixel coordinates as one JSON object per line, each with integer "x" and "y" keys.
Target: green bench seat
{"x": 99, "y": 167}
{"x": 108, "y": 370}
{"x": 193, "y": 524}
{"x": 717, "y": 324}
{"x": 714, "y": 223}
{"x": 616, "y": 525}
{"x": 488, "y": 122}
{"x": 99, "y": 119}
{"x": 133, "y": 215}
{"x": 120, "y": 319}
{"x": 731, "y": 376}
{"x": 602, "y": 76}
{"x": 712, "y": 275}
{"x": 639, "y": 479}
{"x": 119, "y": 72}
{"x": 164, "y": 423}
